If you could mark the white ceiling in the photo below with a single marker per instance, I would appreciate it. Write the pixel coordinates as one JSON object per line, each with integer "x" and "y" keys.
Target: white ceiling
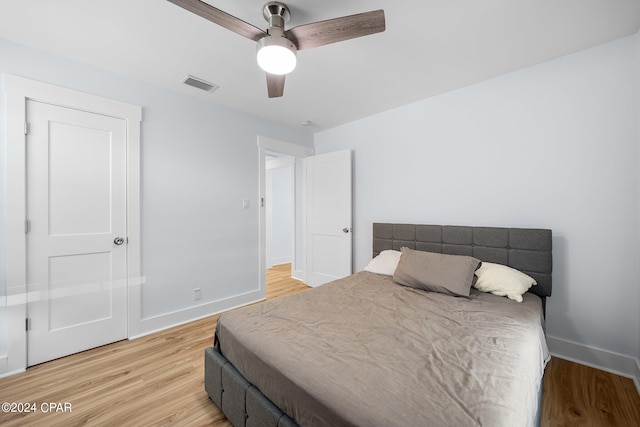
{"x": 429, "y": 47}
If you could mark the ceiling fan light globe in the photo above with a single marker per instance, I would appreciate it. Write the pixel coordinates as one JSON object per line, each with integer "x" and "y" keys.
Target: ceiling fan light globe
{"x": 276, "y": 55}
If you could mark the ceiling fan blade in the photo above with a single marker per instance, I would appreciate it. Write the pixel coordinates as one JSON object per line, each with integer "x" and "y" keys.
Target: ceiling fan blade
{"x": 221, "y": 18}
{"x": 275, "y": 85}
{"x": 336, "y": 30}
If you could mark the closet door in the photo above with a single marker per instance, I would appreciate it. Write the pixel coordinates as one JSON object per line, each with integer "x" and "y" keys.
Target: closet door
{"x": 77, "y": 225}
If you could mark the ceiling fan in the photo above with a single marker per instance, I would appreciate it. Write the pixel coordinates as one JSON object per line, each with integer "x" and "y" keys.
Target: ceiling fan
{"x": 276, "y": 47}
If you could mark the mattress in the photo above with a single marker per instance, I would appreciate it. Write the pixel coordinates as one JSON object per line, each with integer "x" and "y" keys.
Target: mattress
{"x": 364, "y": 351}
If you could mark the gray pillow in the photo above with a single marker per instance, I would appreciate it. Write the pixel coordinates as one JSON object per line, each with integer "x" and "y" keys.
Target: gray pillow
{"x": 447, "y": 274}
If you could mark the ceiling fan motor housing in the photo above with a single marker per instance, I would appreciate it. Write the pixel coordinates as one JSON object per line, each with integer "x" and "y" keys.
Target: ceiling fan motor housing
{"x": 276, "y": 14}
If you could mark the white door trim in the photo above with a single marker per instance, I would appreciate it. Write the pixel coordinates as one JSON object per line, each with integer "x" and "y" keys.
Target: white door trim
{"x": 269, "y": 144}
{"x": 17, "y": 91}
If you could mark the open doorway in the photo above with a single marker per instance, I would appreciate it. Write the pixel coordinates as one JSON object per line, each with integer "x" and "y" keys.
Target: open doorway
{"x": 271, "y": 150}
{"x": 280, "y": 211}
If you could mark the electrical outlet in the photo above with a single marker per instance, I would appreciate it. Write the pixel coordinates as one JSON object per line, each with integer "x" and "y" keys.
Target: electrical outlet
{"x": 245, "y": 203}
{"x": 197, "y": 294}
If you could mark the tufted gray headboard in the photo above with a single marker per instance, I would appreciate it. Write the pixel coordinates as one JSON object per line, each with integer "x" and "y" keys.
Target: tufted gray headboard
{"x": 525, "y": 249}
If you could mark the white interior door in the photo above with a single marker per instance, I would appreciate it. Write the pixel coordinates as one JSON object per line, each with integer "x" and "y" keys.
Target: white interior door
{"x": 76, "y": 240}
{"x": 328, "y": 184}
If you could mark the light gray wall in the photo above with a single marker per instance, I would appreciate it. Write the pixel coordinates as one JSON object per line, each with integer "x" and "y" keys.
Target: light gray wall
{"x": 282, "y": 219}
{"x": 199, "y": 161}
{"x": 550, "y": 146}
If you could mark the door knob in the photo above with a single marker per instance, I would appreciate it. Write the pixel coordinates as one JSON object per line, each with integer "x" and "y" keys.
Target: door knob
{"x": 118, "y": 241}
{"x": 346, "y": 230}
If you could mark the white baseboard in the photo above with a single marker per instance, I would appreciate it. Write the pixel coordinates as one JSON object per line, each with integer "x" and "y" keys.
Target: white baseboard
{"x": 298, "y": 275}
{"x": 4, "y": 363}
{"x": 619, "y": 364}
{"x": 280, "y": 261}
{"x": 8, "y": 374}
{"x": 165, "y": 321}
{"x": 636, "y": 378}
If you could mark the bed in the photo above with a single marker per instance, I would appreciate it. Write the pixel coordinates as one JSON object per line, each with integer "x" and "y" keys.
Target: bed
{"x": 367, "y": 351}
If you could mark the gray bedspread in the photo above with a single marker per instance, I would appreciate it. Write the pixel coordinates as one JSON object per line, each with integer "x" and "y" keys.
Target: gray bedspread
{"x": 364, "y": 351}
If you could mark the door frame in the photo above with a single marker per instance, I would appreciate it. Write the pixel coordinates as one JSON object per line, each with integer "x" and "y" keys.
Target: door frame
{"x": 269, "y": 144}
{"x": 17, "y": 91}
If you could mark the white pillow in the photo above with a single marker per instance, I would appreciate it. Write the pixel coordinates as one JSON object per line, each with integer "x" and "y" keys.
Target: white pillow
{"x": 503, "y": 281}
{"x": 385, "y": 263}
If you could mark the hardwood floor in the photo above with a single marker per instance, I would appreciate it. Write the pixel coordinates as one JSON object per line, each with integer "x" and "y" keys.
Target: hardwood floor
{"x": 577, "y": 395}
{"x": 158, "y": 380}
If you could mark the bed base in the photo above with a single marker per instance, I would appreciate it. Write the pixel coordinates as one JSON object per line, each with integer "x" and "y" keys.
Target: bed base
{"x": 245, "y": 406}
{"x": 242, "y": 403}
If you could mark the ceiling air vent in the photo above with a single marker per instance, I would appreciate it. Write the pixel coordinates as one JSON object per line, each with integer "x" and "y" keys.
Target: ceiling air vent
{"x": 199, "y": 83}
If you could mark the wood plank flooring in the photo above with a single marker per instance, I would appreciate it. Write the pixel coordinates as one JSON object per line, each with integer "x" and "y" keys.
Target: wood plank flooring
{"x": 158, "y": 380}
{"x": 577, "y": 395}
